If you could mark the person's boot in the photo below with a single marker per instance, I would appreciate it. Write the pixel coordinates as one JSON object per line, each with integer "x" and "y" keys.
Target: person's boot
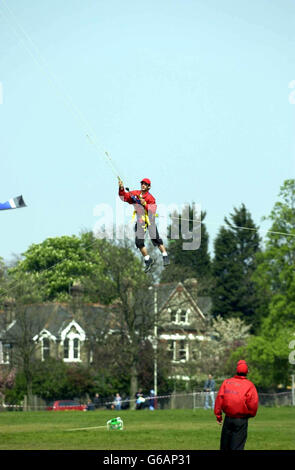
{"x": 148, "y": 264}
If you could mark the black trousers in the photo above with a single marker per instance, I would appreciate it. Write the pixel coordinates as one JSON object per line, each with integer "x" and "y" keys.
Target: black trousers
{"x": 153, "y": 233}
{"x": 234, "y": 433}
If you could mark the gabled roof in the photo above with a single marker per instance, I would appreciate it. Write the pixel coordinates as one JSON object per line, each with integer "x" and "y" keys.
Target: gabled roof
{"x": 55, "y": 317}
{"x": 166, "y": 292}
{"x": 51, "y": 316}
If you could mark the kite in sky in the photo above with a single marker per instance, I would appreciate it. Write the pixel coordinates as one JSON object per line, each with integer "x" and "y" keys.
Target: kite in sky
{"x": 13, "y": 203}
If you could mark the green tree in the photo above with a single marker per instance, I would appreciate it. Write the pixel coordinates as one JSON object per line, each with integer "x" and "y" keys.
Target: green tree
{"x": 52, "y": 379}
{"x": 132, "y": 312}
{"x": 275, "y": 274}
{"x": 268, "y": 359}
{"x": 274, "y": 278}
{"x": 191, "y": 263}
{"x": 20, "y": 339}
{"x": 235, "y": 250}
{"x": 213, "y": 353}
{"x": 57, "y": 263}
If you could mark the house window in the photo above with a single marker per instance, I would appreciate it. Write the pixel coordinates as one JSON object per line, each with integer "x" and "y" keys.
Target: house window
{"x": 182, "y": 351}
{"x": 76, "y": 346}
{"x": 72, "y": 349}
{"x": 6, "y": 353}
{"x": 66, "y": 348}
{"x": 179, "y": 315}
{"x": 171, "y": 350}
{"x": 45, "y": 348}
{"x": 173, "y": 316}
{"x": 183, "y": 316}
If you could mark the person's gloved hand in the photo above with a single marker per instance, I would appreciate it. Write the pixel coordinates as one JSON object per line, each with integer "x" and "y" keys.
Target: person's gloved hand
{"x": 219, "y": 419}
{"x": 135, "y": 199}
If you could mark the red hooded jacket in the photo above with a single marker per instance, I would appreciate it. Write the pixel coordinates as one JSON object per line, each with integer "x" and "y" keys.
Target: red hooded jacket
{"x": 237, "y": 398}
{"x": 150, "y": 206}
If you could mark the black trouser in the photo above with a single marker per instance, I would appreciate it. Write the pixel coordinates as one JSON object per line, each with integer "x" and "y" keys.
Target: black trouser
{"x": 234, "y": 433}
{"x": 153, "y": 233}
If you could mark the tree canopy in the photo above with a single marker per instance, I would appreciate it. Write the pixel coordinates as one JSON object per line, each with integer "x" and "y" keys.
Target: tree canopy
{"x": 235, "y": 250}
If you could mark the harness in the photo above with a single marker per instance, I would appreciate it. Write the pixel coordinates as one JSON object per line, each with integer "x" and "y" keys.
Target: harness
{"x": 144, "y": 217}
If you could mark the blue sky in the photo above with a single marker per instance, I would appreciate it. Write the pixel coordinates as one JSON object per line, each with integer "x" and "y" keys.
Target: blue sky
{"x": 193, "y": 94}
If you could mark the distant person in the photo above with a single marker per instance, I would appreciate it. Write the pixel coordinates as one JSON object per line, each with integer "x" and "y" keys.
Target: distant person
{"x": 118, "y": 401}
{"x": 139, "y": 399}
{"x": 209, "y": 389}
{"x": 90, "y": 406}
{"x": 97, "y": 401}
{"x": 152, "y": 400}
{"x": 238, "y": 399}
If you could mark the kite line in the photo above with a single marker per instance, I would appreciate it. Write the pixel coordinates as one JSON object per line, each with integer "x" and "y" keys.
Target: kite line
{"x": 88, "y": 131}
{"x": 34, "y": 52}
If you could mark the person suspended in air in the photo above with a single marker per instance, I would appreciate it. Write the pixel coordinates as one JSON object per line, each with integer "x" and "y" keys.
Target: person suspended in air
{"x": 145, "y": 212}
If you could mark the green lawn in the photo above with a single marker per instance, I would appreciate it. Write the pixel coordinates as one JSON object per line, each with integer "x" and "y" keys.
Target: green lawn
{"x": 272, "y": 429}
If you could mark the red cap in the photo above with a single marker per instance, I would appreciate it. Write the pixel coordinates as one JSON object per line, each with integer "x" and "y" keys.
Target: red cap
{"x": 242, "y": 367}
{"x": 146, "y": 180}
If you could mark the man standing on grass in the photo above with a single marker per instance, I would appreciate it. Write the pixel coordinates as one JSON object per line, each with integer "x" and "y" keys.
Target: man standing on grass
{"x": 238, "y": 399}
{"x": 209, "y": 389}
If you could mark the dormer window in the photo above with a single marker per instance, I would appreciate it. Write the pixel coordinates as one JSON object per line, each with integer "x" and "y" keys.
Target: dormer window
{"x": 66, "y": 348}
{"x": 173, "y": 316}
{"x": 45, "y": 339}
{"x": 179, "y": 315}
{"x": 183, "y": 316}
{"x": 72, "y": 349}
{"x": 45, "y": 348}
{"x": 76, "y": 348}
{"x": 72, "y": 336}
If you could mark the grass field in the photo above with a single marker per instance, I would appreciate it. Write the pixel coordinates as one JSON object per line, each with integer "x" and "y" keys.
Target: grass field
{"x": 272, "y": 429}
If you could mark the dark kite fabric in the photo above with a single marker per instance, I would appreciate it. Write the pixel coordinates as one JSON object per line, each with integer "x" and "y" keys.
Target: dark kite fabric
{"x": 13, "y": 203}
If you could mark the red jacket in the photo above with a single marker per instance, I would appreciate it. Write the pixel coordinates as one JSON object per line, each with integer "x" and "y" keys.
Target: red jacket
{"x": 150, "y": 206}
{"x": 237, "y": 398}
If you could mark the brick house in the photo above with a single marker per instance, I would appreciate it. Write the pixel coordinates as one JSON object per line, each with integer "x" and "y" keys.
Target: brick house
{"x": 58, "y": 331}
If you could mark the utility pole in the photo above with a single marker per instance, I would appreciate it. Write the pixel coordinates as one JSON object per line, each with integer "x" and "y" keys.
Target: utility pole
{"x": 155, "y": 341}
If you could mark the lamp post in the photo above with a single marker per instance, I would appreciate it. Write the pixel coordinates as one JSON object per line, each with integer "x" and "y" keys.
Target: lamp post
{"x": 155, "y": 338}
{"x": 156, "y": 341}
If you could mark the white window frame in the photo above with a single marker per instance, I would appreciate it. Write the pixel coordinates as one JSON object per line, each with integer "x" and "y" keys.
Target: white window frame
{"x": 172, "y": 342}
{"x": 175, "y": 340}
{"x": 71, "y": 336}
{"x": 6, "y": 353}
{"x": 43, "y": 348}
{"x": 184, "y": 349}
{"x": 178, "y": 312}
{"x": 42, "y": 335}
